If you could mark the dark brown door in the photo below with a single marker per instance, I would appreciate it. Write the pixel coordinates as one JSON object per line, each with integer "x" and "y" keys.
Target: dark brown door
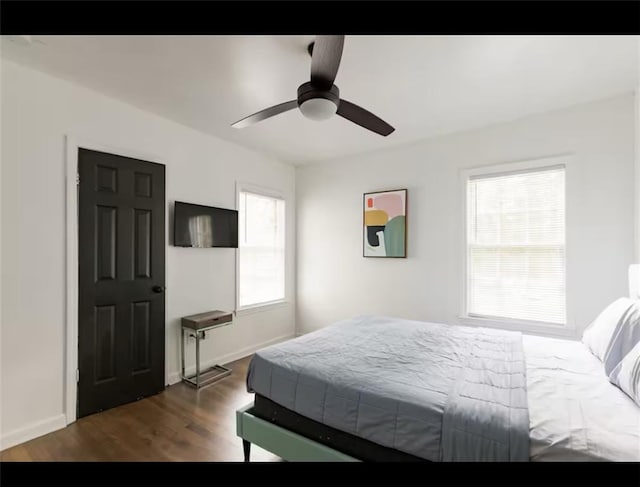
{"x": 121, "y": 249}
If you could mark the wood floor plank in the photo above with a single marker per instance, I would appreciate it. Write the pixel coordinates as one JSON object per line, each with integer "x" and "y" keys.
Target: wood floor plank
{"x": 179, "y": 424}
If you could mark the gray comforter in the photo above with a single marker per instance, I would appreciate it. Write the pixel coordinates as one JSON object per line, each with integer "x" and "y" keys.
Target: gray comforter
{"x": 435, "y": 391}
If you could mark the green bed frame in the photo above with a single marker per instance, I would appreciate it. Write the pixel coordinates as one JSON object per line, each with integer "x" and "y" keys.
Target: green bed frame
{"x": 281, "y": 442}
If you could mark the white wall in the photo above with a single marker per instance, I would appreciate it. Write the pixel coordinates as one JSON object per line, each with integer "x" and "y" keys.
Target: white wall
{"x": 1, "y": 268}
{"x": 637, "y": 136}
{"x": 37, "y": 112}
{"x": 334, "y": 280}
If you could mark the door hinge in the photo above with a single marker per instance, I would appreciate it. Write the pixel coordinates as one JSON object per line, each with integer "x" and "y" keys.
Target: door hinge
{"x": 77, "y": 375}
{"x": 77, "y": 178}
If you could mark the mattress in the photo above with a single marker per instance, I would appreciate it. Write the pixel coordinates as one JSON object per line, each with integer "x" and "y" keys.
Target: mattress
{"x": 575, "y": 413}
{"x": 453, "y": 393}
{"x": 349, "y": 444}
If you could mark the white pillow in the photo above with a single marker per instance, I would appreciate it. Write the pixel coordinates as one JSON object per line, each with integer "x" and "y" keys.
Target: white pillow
{"x": 598, "y": 334}
{"x": 624, "y": 338}
{"x": 627, "y": 374}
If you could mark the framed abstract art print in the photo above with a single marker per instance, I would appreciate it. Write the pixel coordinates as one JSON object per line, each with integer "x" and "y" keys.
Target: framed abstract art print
{"x": 385, "y": 224}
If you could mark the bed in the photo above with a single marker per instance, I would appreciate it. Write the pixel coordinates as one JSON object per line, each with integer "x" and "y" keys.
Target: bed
{"x": 344, "y": 393}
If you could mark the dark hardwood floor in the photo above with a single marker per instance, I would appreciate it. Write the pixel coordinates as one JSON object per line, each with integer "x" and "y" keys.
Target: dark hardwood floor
{"x": 179, "y": 424}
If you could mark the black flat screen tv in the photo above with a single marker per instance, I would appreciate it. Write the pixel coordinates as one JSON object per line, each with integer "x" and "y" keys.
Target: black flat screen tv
{"x": 204, "y": 226}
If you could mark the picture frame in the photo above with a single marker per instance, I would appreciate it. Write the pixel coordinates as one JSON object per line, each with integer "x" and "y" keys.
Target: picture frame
{"x": 384, "y": 223}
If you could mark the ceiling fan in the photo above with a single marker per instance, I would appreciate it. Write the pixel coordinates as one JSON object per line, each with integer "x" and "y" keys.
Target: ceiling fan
{"x": 319, "y": 99}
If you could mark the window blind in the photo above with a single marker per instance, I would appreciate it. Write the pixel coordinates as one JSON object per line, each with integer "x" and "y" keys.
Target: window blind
{"x": 516, "y": 245}
{"x": 261, "y": 249}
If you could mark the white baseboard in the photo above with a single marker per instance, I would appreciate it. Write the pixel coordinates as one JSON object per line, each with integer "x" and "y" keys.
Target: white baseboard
{"x": 174, "y": 377}
{"x": 54, "y": 423}
{"x": 32, "y": 431}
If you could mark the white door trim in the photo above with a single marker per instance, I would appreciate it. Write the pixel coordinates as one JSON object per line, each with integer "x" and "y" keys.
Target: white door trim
{"x": 71, "y": 280}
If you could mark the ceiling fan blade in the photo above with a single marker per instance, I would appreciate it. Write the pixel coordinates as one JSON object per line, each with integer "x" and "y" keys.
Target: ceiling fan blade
{"x": 266, "y": 113}
{"x": 325, "y": 60}
{"x": 362, "y": 117}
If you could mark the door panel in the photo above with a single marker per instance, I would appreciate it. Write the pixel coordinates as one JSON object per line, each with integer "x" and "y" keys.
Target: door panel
{"x": 121, "y": 320}
{"x": 105, "y": 323}
{"x": 140, "y": 336}
{"x": 106, "y": 178}
{"x": 143, "y": 184}
{"x": 106, "y": 218}
{"x": 142, "y": 245}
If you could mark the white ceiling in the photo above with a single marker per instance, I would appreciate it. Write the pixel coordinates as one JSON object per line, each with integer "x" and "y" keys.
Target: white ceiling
{"x": 422, "y": 85}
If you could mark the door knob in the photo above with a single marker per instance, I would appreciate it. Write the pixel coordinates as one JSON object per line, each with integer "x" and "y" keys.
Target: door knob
{"x": 157, "y": 289}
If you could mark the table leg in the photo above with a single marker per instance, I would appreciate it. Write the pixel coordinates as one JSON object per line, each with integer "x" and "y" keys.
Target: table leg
{"x": 182, "y": 352}
{"x": 246, "y": 447}
{"x": 197, "y": 359}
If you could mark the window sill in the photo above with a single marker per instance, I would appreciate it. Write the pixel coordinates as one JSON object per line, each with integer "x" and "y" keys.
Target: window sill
{"x": 524, "y": 326}
{"x": 261, "y": 307}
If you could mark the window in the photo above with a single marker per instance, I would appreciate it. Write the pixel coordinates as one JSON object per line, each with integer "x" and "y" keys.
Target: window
{"x": 516, "y": 245}
{"x": 261, "y": 249}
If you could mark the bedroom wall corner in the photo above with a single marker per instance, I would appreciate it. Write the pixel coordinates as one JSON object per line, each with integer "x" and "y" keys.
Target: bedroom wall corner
{"x": 38, "y": 111}
{"x": 335, "y": 282}
{"x": 2, "y": 159}
{"x": 637, "y": 178}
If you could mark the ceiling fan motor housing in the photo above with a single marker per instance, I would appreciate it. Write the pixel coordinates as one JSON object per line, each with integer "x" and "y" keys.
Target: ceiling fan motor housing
{"x": 318, "y": 104}
{"x": 307, "y": 91}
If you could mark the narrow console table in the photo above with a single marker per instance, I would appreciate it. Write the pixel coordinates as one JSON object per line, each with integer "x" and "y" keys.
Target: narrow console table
{"x": 196, "y": 326}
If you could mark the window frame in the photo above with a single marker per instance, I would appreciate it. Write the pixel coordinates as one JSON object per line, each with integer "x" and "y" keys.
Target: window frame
{"x": 531, "y": 326}
{"x": 264, "y": 306}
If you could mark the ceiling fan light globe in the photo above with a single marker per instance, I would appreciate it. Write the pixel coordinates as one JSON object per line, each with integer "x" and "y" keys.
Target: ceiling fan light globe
{"x": 318, "y": 109}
